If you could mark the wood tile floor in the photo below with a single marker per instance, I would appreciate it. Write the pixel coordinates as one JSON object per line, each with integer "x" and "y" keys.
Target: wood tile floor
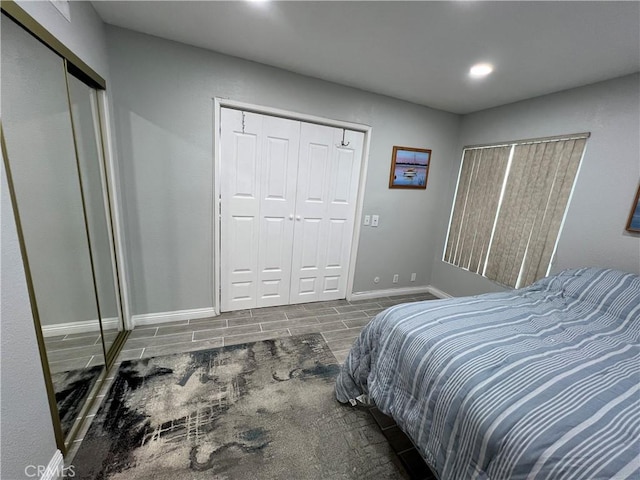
{"x": 339, "y": 322}
{"x": 408, "y": 454}
{"x": 76, "y": 351}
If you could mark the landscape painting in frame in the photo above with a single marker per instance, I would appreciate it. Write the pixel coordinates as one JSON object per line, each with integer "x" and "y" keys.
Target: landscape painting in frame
{"x": 633, "y": 225}
{"x": 409, "y": 167}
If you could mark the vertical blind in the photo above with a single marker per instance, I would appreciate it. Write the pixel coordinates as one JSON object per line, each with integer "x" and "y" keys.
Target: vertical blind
{"x": 509, "y": 207}
{"x": 479, "y": 187}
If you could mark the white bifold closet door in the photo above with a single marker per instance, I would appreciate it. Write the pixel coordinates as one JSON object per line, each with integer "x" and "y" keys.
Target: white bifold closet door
{"x": 288, "y": 199}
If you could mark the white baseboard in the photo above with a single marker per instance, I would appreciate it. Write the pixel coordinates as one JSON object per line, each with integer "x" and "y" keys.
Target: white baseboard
{"x": 164, "y": 317}
{"x": 55, "y": 468}
{"x": 438, "y": 293}
{"x": 391, "y": 292}
{"x": 86, "y": 326}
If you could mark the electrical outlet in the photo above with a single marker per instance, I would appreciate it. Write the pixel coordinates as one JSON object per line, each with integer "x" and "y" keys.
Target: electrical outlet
{"x": 374, "y": 220}
{"x": 395, "y": 278}
{"x": 367, "y": 219}
{"x": 413, "y": 277}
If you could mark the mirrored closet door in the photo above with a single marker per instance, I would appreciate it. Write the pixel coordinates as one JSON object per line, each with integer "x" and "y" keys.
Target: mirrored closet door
{"x": 54, "y": 159}
{"x": 86, "y": 126}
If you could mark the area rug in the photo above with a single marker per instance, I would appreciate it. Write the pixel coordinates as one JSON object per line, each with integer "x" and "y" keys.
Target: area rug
{"x": 263, "y": 410}
{"x": 72, "y": 390}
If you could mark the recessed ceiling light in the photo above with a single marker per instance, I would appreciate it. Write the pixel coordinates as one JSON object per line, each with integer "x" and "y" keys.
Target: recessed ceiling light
{"x": 480, "y": 70}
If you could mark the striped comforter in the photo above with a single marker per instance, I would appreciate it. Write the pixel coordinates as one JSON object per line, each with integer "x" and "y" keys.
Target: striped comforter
{"x": 537, "y": 383}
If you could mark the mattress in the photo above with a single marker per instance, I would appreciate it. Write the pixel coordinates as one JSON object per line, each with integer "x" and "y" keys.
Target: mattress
{"x": 537, "y": 383}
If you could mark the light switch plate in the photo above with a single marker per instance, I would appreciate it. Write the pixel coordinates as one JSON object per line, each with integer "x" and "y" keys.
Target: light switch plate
{"x": 374, "y": 220}
{"x": 367, "y": 219}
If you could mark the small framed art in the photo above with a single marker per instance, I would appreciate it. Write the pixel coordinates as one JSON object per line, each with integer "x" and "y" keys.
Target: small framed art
{"x": 633, "y": 224}
{"x": 409, "y": 167}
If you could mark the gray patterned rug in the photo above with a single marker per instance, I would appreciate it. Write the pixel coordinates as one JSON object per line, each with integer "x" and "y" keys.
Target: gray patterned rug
{"x": 263, "y": 410}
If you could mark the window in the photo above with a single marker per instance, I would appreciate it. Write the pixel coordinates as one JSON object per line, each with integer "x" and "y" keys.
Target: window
{"x": 509, "y": 207}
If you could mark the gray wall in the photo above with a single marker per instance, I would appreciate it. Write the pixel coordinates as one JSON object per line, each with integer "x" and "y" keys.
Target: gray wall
{"x": 162, "y": 95}
{"x": 83, "y": 35}
{"x": 594, "y": 231}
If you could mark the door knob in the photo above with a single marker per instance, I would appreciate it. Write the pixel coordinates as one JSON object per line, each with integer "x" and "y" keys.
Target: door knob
{"x": 291, "y": 217}
{"x": 298, "y": 217}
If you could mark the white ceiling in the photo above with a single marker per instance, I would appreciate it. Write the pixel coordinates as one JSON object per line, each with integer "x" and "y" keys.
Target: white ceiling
{"x": 416, "y": 51}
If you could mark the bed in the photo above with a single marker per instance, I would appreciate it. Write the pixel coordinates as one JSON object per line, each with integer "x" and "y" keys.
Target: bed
{"x": 537, "y": 383}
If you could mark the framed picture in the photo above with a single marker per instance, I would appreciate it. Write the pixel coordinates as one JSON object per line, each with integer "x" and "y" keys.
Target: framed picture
{"x": 409, "y": 167}
{"x": 633, "y": 224}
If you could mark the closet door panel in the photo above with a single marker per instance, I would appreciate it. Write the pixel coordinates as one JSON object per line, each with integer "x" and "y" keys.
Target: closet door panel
{"x": 328, "y": 176}
{"x": 343, "y": 195}
{"x": 83, "y": 100}
{"x": 258, "y": 179}
{"x": 280, "y": 143}
{"x": 314, "y": 164}
{"x": 240, "y": 190}
{"x": 310, "y": 235}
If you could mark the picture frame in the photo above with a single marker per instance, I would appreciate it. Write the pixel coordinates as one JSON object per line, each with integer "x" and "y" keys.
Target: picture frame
{"x": 633, "y": 224}
{"x": 409, "y": 167}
